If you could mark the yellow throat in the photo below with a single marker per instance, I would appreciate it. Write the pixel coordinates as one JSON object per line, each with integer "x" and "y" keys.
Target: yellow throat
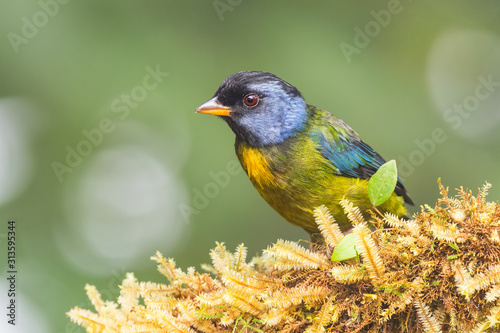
{"x": 256, "y": 167}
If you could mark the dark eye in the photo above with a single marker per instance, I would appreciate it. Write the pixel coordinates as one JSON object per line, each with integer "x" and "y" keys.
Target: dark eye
{"x": 251, "y": 100}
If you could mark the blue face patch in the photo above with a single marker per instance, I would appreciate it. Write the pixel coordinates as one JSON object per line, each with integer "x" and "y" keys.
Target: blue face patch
{"x": 278, "y": 116}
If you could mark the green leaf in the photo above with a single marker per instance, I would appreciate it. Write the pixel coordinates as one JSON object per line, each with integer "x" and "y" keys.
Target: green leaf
{"x": 345, "y": 249}
{"x": 383, "y": 183}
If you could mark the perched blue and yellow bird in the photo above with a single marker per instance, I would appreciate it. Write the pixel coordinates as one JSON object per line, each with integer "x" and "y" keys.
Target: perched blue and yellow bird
{"x": 297, "y": 156}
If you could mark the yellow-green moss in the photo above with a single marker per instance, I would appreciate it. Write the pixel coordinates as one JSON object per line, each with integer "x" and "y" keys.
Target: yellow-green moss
{"x": 438, "y": 272}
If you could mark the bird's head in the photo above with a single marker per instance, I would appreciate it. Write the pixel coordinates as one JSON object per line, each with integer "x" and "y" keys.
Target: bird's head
{"x": 260, "y": 108}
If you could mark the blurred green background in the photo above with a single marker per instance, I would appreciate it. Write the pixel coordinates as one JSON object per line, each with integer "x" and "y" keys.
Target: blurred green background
{"x": 103, "y": 162}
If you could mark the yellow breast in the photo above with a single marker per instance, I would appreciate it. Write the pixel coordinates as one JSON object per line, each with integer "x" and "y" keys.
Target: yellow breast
{"x": 256, "y": 167}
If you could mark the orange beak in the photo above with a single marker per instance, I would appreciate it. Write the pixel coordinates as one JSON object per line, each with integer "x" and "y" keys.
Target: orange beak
{"x": 215, "y": 108}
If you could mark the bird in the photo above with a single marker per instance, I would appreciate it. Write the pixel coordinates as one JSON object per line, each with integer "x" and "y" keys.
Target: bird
{"x": 296, "y": 155}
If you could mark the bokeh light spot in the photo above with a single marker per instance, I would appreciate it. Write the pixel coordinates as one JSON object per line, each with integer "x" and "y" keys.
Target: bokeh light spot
{"x": 15, "y": 156}
{"x": 122, "y": 209}
{"x": 463, "y": 77}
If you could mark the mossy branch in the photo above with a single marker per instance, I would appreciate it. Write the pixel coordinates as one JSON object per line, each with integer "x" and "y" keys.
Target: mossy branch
{"x": 438, "y": 272}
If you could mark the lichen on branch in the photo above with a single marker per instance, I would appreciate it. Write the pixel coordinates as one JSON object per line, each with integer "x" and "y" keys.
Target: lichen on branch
{"x": 438, "y": 272}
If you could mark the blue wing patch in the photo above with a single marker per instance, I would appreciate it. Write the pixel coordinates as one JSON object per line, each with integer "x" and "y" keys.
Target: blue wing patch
{"x": 350, "y": 157}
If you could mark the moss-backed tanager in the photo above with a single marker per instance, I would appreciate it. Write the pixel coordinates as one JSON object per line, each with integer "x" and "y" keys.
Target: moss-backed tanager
{"x": 296, "y": 155}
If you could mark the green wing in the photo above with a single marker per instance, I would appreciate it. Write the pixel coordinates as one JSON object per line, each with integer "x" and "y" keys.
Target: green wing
{"x": 344, "y": 150}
